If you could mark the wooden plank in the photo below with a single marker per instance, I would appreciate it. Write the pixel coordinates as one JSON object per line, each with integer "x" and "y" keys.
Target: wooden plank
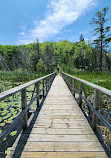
{"x": 65, "y": 125}
{"x": 68, "y": 116}
{"x": 63, "y": 155}
{"x": 64, "y": 131}
{"x": 40, "y": 120}
{"x": 60, "y": 138}
{"x": 60, "y": 108}
{"x": 73, "y": 110}
{"x": 61, "y": 146}
{"x": 61, "y": 112}
{"x": 59, "y": 155}
{"x": 62, "y": 116}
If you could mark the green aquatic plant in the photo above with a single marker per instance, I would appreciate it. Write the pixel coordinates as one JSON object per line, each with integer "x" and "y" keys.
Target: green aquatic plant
{"x": 0, "y": 131}
{"x": 2, "y": 124}
{"x": 7, "y": 151}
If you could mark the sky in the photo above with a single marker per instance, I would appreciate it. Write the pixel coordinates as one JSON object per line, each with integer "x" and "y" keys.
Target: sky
{"x": 23, "y": 21}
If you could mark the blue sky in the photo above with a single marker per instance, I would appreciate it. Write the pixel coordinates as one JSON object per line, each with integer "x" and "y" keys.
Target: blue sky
{"x": 22, "y": 21}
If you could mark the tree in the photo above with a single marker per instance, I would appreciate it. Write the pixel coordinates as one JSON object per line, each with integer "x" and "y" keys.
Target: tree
{"x": 40, "y": 66}
{"x": 36, "y": 54}
{"x": 81, "y": 38}
{"x": 24, "y": 58}
{"x": 3, "y": 63}
{"x": 49, "y": 60}
{"x": 99, "y": 20}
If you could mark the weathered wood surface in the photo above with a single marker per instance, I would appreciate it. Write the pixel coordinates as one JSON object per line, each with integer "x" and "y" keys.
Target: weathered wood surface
{"x": 60, "y": 131}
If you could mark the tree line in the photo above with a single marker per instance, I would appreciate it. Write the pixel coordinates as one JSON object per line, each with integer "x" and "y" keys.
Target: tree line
{"x": 48, "y": 56}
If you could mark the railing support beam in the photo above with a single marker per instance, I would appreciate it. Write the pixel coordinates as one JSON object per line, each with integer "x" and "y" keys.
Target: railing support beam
{"x": 37, "y": 93}
{"x": 24, "y": 105}
{"x": 74, "y": 84}
{"x": 95, "y": 105}
{"x": 43, "y": 89}
{"x": 80, "y": 92}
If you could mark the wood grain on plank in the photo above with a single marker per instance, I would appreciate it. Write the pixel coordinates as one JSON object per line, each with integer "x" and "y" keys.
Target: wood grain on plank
{"x": 64, "y": 131}
{"x": 63, "y": 155}
{"x": 61, "y": 146}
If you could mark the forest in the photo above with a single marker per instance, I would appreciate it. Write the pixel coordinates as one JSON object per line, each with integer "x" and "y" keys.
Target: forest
{"x": 46, "y": 57}
{"x": 81, "y": 57}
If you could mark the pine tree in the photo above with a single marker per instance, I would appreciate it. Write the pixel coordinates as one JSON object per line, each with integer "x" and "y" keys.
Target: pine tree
{"x": 36, "y": 54}
{"x": 99, "y": 20}
{"x": 81, "y": 38}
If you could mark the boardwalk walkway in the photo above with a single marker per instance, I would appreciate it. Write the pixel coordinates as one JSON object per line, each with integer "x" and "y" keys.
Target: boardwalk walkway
{"x": 60, "y": 130}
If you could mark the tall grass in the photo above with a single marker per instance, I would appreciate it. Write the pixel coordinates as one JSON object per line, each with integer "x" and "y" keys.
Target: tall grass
{"x": 100, "y": 78}
{"x": 12, "y": 79}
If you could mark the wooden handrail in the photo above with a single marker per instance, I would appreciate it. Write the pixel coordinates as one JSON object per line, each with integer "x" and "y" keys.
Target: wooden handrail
{"x": 103, "y": 90}
{"x": 12, "y": 91}
{"x": 25, "y": 107}
{"x": 94, "y": 107}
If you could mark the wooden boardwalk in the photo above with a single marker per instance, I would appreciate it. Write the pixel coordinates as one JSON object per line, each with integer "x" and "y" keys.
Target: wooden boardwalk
{"x": 60, "y": 130}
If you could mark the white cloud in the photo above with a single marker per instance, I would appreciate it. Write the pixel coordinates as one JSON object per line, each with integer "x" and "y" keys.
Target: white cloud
{"x": 60, "y": 13}
{"x": 22, "y": 34}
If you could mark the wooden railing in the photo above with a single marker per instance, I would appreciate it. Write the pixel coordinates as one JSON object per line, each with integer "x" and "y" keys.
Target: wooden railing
{"x": 92, "y": 110}
{"x": 43, "y": 82}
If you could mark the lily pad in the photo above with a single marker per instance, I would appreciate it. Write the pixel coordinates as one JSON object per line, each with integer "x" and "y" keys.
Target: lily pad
{"x": 4, "y": 139}
{"x": 2, "y": 124}
{"x": 13, "y": 133}
{"x": 0, "y": 119}
{"x": 0, "y": 131}
{"x": 10, "y": 120}
{"x": 7, "y": 151}
{"x": 5, "y": 117}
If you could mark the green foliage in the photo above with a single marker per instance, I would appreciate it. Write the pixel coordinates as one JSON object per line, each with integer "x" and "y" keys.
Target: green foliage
{"x": 4, "y": 139}
{"x": 2, "y": 124}
{"x": 13, "y": 133}
{"x": 40, "y": 65}
{"x": 0, "y": 131}
{"x": 43, "y": 58}
{"x": 8, "y": 150}
{"x": 102, "y": 79}
{"x": 0, "y": 119}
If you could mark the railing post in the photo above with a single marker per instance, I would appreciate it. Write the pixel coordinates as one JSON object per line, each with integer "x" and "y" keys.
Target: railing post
{"x": 68, "y": 82}
{"x": 24, "y": 105}
{"x": 46, "y": 85}
{"x": 71, "y": 84}
{"x": 74, "y": 86}
{"x": 49, "y": 80}
{"x": 80, "y": 92}
{"x": 37, "y": 93}
{"x": 43, "y": 88}
{"x": 95, "y": 106}
{"x": 51, "y": 77}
